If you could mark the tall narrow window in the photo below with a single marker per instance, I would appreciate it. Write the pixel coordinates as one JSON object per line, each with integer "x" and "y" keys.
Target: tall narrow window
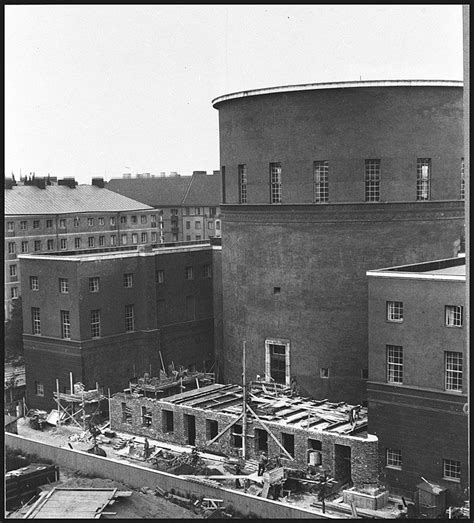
{"x": 243, "y": 183}
{"x": 277, "y": 362}
{"x": 36, "y": 320}
{"x": 453, "y": 371}
{"x": 123, "y": 239}
{"x": 394, "y": 364}
{"x": 63, "y": 285}
{"x": 37, "y": 245}
{"x": 11, "y": 248}
{"x": 453, "y": 315}
{"x": 10, "y": 226}
{"x": 95, "y": 324}
{"x": 24, "y": 246}
{"x": 76, "y": 221}
{"x": 394, "y": 311}
{"x": 372, "y": 180}
{"x": 134, "y": 237}
{"x": 65, "y": 325}
{"x": 91, "y": 241}
{"x": 423, "y": 177}
{"x": 101, "y": 241}
{"x": 50, "y": 245}
{"x": 462, "y": 179}
{"x": 63, "y": 243}
{"x": 129, "y": 318}
{"x": 34, "y": 283}
{"x": 160, "y": 276}
{"x": 320, "y": 181}
{"x": 144, "y": 236}
{"x": 90, "y": 222}
{"x": 77, "y": 243}
{"x": 39, "y": 388}
{"x": 94, "y": 284}
{"x": 275, "y": 182}
{"x": 128, "y": 279}
{"x": 189, "y": 273}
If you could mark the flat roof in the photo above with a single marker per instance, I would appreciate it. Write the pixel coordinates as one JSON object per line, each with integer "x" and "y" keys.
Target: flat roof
{"x": 337, "y": 85}
{"x": 448, "y": 269}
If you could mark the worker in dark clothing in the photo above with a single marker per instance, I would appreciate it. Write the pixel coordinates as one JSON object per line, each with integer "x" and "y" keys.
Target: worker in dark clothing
{"x": 147, "y": 448}
{"x": 194, "y": 457}
{"x": 262, "y": 463}
{"x": 238, "y": 472}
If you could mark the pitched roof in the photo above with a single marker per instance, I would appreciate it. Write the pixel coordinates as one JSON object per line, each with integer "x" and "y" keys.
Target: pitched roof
{"x": 59, "y": 199}
{"x": 157, "y": 192}
{"x": 204, "y": 190}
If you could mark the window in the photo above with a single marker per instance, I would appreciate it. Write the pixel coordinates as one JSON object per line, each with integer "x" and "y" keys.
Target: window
{"x": 451, "y": 469}
{"x": 143, "y": 218}
{"x": 94, "y": 284}
{"x": 188, "y": 237}
{"x": 134, "y": 219}
{"x": 188, "y": 224}
{"x": 90, "y": 222}
{"x": 112, "y": 220}
{"x": 24, "y": 246}
{"x": 276, "y": 290}
{"x": 364, "y": 374}
{"x": 372, "y": 180}
{"x": 65, "y": 325}
{"x": 35, "y": 320}
{"x": 210, "y": 225}
{"x": 207, "y": 271}
{"x": 288, "y": 442}
{"x": 39, "y": 388}
{"x": 11, "y": 248}
{"x": 218, "y": 225}
{"x": 394, "y": 458}
{"x": 463, "y": 181}
{"x": 124, "y": 239}
{"x": 50, "y": 245}
{"x": 168, "y": 420}
{"x": 197, "y": 211}
{"x": 123, "y": 219}
{"x": 113, "y": 239}
{"x": 174, "y": 212}
{"x": 144, "y": 237}
{"x": 324, "y": 372}
{"x": 198, "y": 237}
{"x": 147, "y": 416}
{"x": 190, "y": 308}
{"x": 160, "y": 276}
{"x": 101, "y": 241}
{"x": 153, "y": 220}
{"x": 453, "y": 371}
{"x": 12, "y": 270}
{"x": 394, "y": 364}
{"x": 101, "y": 220}
{"x": 10, "y": 226}
{"x": 189, "y": 273}
{"x": 95, "y": 323}
{"x": 135, "y": 238}
{"x": 63, "y": 243}
{"x": 154, "y": 237}
{"x": 37, "y": 245}
{"x": 394, "y": 311}
{"x": 62, "y": 223}
{"x": 23, "y": 225}
{"x": 320, "y": 181}
{"x": 453, "y": 315}
{"x": 129, "y": 318}
{"x": 128, "y": 279}
{"x": 423, "y": 175}
{"x": 212, "y": 429}
{"x": 63, "y": 285}
{"x": 212, "y": 211}
{"x": 14, "y": 292}
{"x": 126, "y": 414}
{"x": 236, "y": 440}
{"x": 76, "y": 221}
{"x": 275, "y": 182}
{"x": 242, "y": 183}
{"x": 197, "y": 225}
{"x": 91, "y": 241}
{"x": 277, "y": 362}
{"x": 34, "y": 283}
{"x": 36, "y": 224}
{"x": 49, "y": 224}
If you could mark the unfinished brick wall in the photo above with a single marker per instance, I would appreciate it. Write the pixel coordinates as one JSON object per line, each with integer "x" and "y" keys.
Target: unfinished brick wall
{"x": 363, "y": 468}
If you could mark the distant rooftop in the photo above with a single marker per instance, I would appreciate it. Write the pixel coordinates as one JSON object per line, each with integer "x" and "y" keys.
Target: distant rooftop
{"x": 448, "y": 269}
{"x": 338, "y": 85}
{"x": 24, "y": 200}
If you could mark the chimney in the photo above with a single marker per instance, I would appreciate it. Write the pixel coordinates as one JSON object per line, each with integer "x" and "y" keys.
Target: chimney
{"x": 98, "y": 182}
{"x": 9, "y": 183}
{"x": 40, "y": 183}
{"x": 199, "y": 172}
{"x": 216, "y": 172}
{"x": 69, "y": 182}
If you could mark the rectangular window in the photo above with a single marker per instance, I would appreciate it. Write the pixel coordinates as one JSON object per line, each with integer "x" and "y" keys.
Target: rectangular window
{"x": 11, "y": 248}
{"x": 63, "y": 285}
{"x": 275, "y": 182}
{"x": 198, "y": 237}
{"x": 124, "y": 239}
{"x": 37, "y": 245}
{"x": 372, "y": 180}
{"x": 188, "y": 224}
{"x": 242, "y": 183}
{"x": 188, "y": 237}
{"x": 24, "y": 247}
{"x": 113, "y": 239}
{"x": 62, "y": 223}
{"x": 12, "y": 270}
{"x": 147, "y": 416}
{"x": 463, "y": 181}
{"x": 39, "y": 389}
{"x": 94, "y": 284}
{"x": 394, "y": 458}
{"x": 49, "y": 224}
{"x": 394, "y": 311}
{"x": 153, "y": 220}
{"x": 174, "y": 212}
{"x": 218, "y": 225}
{"x": 210, "y": 225}
{"x": 207, "y": 271}
{"x": 123, "y": 219}
{"x": 65, "y": 325}
{"x": 197, "y": 225}
{"x": 189, "y": 273}
{"x": 278, "y": 363}
{"x": 144, "y": 237}
{"x": 101, "y": 220}
{"x": 236, "y": 440}
{"x": 36, "y": 224}
{"x": 212, "y": 211}
{"x": 453, "y": 371}
{"x": 91, "y": 241}
{"x": 36, "y": 320}
{"x": 423, "y": 176}
{"x": 288, "y": 442}
{"x": 364, "y": 374}
{"x": 453, "y": 315}
{"x": 10, "y": 226}
{"x": 134, "y": 238}
{"x": 197, "y": 211}
{"x": 50, "y": 245}
{"x": 23, "y": 225}
{"x": 77, "y": 243}
{"x": 143, "y": 218}
{"x": 95, "y": 324}
{"x": 63, "y": 243}
{"x": 212, "y": 429}
{"x": 168, "y": 421}
{"x": 90, "y": 222}
{"x": 76, "y": 221}
{"x": 112, "y": 220}
{"x": 126, "y": 414}
{"x": 451, "y": 469}
{"x": 101, "y": 241}
{"x": 34, "y": 283}
{"x": 160, "y": 276}
{"x": 394, "y": 364}
{"x": 129, "y": 318}
{"x": 134, "y": 219}
{"x": 128, "y": 279}
{"x": 14, "y": 292}
{"x": 154, "y": 237}
{"x": 324, "y": 372}
{"x": 320, "y": 181}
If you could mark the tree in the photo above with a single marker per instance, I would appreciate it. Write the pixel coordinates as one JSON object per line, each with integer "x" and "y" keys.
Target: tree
{"x": 14, "y": 332}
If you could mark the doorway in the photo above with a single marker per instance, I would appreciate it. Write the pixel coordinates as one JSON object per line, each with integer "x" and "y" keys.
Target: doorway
{"x": 190, "y": 429}
{"x": 342, "y": 462}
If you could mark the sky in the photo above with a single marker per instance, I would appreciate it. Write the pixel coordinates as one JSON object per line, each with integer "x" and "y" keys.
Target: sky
{"x": 99, "y": 91}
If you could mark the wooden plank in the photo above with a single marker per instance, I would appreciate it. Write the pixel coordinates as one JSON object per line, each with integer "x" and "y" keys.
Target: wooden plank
{"x": 177, "y": 398}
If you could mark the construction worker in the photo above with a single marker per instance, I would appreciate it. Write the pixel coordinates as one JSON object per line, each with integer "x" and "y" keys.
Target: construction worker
{"x": 238, "y": 472}
{"x": 194, "y": 457}
{"x": 262, "y": 463}
{"x": 147, "y": 448}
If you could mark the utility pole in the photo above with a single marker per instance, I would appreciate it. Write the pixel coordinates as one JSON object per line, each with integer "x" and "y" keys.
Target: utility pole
{"x": 244, "y": 406}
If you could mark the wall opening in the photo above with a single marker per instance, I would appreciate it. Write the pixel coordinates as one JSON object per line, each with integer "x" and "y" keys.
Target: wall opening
{"x": 342, "y": 462}
{"x": 236, "y": 439}
{"x": 126, "y": 414}
{"x": 168, "y": 420}
{"x": 146, "y": 416}
{"x": 314, "y": 452}
{"x": 261, "y": 440}
{"x": 190, "y": 429}
{"x": 288, "y": 442}
{"x": 212, "y": 429}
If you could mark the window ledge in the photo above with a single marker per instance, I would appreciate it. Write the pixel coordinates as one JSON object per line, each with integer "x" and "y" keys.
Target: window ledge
{"x": 393, "y": 467}
{"x": 453, "y": 480}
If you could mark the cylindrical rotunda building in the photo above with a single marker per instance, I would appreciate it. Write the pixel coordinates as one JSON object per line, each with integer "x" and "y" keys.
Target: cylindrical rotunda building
{"x": 320, "y": 183}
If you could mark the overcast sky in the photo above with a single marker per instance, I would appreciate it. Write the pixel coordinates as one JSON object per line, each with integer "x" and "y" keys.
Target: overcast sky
{"x": 104, "y": 90}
